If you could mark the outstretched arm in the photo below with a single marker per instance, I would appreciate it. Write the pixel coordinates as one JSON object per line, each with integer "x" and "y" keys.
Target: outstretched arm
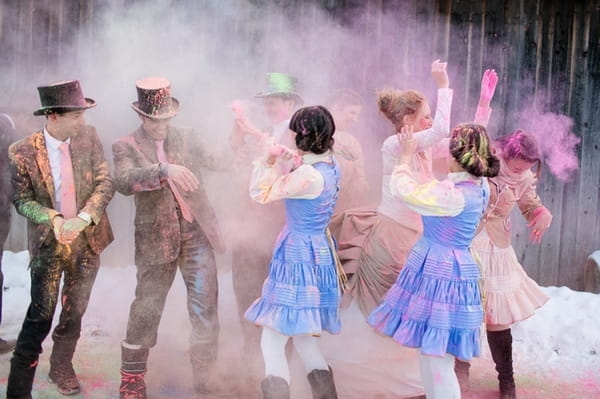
{"x": 489, "y": 81}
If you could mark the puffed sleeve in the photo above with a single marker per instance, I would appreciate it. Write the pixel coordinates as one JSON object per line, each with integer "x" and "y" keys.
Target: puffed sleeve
{"x": 268, "y": 184}
{"x": 434, "y": 198}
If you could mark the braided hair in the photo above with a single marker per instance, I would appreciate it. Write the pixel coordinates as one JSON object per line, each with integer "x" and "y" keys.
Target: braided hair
{"x": 470, "y": 147}
{"x": 314, "y": 128}
{"x": 396, "y": 104}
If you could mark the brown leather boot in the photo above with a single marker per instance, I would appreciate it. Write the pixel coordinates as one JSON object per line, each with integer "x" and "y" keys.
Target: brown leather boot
{"x": 61, "y": 367}
{"x": 501, "y": 348}
{"x": 322, "y": 384}
{"x": 133, "y": 369}
{"x": 461, "y": 369}
{"x": 275, "y": 388}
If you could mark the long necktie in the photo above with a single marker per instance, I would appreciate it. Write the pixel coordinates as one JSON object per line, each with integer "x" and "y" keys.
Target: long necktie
{"x": 183, "y": 206}
{"x": 68, "y": 202}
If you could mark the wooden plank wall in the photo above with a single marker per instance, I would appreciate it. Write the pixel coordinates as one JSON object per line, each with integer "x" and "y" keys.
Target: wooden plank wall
{"x": 548, "y": 49}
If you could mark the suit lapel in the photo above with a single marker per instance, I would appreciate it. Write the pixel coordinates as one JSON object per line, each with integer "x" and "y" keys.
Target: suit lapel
{"x": 41, "y": 158}
{"x": 146, "y": 145}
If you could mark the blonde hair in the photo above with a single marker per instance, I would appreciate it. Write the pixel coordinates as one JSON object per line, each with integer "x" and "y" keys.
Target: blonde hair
{"x": 396, "y": 104}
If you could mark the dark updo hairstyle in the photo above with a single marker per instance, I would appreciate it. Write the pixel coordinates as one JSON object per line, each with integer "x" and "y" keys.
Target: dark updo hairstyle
{"x": 470, "y": 147}
{"x": 314, "y": 128}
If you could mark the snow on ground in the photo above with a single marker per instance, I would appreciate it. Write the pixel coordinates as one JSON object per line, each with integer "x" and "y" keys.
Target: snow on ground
{"x": 557, "y": 351}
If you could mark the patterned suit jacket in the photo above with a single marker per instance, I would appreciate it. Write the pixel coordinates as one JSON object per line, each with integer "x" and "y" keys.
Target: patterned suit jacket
{"x": 34, "y": 186}
{"x": 137, "y": 172}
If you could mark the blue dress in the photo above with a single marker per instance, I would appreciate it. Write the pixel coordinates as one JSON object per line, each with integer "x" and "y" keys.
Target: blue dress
{"x": 301, "y": 294}
{"x": 435, "y": 303}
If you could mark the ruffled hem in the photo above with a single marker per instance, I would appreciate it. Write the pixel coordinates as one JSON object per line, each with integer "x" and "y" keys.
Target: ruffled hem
{"x": 511, "y": 295}
{"x": 461, "y": 343}
{"x": 290, "y": 321}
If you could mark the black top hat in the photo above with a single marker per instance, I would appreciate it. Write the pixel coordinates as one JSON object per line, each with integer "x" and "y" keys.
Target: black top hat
{"x": 281, "y": 85}
{"x": 62, "y": 97}
{"x": 154, "y": 99}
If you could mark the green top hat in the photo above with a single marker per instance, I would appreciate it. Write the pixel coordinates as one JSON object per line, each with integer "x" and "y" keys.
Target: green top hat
{"x": 154, "y": 99}
{"x": 281, "y": 85}
{"x": 62, "y": 97}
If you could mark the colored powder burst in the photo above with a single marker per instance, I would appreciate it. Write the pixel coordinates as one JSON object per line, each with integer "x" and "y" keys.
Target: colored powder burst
{"x": 557, "y": 141}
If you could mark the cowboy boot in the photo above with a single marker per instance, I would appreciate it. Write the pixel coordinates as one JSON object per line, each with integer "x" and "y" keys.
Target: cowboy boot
{"x": 501, "y": 348}
{"x": 20, "y": 378}
{"x": 322, "y": 384}
{"x": 461, "y": 368}
{"x": 275, "y": 388}
{"x": 61, "y": 367}
{"x": 133, "y": 368}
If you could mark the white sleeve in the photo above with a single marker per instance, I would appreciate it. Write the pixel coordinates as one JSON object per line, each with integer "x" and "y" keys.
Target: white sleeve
{"x": 440, "y": 127}
{"x": 268, "y": 184}
{"x": 434, "y": 198}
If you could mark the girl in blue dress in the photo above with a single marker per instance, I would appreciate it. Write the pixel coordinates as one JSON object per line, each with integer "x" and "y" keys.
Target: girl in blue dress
{"x": 300, "y": 297}
{"x": 435, "y": 303}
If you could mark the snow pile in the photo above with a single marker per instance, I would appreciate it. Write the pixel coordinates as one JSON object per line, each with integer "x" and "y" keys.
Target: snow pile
{"x": 563, "y": 335}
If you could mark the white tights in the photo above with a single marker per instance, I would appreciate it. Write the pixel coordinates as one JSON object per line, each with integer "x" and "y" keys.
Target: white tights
{"x": 273, "y": 344}
{"x": 439, "y": 379}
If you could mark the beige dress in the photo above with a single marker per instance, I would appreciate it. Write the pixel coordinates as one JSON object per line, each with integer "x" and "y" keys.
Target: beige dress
{"x": 511, "y": 295}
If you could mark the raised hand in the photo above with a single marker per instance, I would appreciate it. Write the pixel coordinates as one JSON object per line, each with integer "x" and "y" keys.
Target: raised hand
{"x": 489, "y": 81}
{"x": 182, "y": 176}
{"x": 439, "y": 74}
{"x": 407, "y": 142}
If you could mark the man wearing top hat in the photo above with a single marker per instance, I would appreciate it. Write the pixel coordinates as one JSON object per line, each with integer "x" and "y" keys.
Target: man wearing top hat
{"x": 175, "y": 228}
{"x": 62, "y": 186}
{"x": 255, "y": 226}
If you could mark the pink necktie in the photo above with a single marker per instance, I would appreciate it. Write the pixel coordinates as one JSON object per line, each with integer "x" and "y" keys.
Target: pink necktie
{"x": 183, "y": 206}
{"x": 68, "y": 203}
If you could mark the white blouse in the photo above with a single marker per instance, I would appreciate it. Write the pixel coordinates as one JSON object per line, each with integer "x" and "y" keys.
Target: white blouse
{"x": 420, "y": 163}
{"x": 268, "y": 183}
{"x": 433, "y": 198}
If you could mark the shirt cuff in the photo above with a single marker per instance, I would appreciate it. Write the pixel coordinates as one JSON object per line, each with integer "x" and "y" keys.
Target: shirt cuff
{"x": 85, "y": 217}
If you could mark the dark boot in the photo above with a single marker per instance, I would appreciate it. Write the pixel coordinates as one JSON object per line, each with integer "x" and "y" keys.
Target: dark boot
{"x": 61, "y": 367}
{"x": 275, "y": 388}
{"x": 321, "y": 384}
{"x": 461, "y": 369}
{"x": 501, "y": 348}
{"x": 133, "y": 368}
{"x": 20, "y": 378}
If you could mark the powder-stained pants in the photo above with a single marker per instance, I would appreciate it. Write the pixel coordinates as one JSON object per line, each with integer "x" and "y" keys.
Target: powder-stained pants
{"x": 79, "y": 268}
{"x": 197, "y": 264}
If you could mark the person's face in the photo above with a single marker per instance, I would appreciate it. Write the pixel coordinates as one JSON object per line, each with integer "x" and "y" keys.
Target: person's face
{"x": 421, "y": 119}
{"x": 69, "y": 124}
{"x": 277, "y": 109}
{"x": 345, "y": 115}
{"x": 518, "y": 165}
{"x": 156, "y": 129}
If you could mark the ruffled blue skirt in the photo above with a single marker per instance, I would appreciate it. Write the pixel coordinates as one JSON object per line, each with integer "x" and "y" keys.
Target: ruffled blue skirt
{"x": 435, "y": 304}
{"x": 301, "y": 294}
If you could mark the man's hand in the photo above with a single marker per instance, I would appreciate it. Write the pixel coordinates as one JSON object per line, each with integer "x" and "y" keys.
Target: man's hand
{"x": 71, "y": 229}
{"x": 182, "y": 176}
{"x": 57, "y": 223}
{"x": 439, "y": 74}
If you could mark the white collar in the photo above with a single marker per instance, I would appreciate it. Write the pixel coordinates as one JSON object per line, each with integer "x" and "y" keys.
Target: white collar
{"x": 457, "y": 177}
{"x": 52, "y": 141}
{"x": 311, "y": 158}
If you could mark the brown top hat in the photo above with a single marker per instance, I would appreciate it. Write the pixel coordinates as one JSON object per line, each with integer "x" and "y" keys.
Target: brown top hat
{"x": 154, "y": 99}
{"x": 62, "y": 97}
